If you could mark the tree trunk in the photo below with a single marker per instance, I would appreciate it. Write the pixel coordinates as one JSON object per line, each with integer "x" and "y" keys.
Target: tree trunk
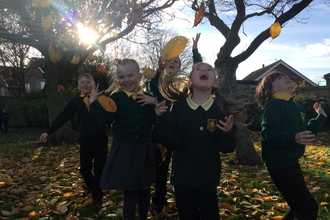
{"x": 56, "y": 100}
{"x": 245, "y": 151}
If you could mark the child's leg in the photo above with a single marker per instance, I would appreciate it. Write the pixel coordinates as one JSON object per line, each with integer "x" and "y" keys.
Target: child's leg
{"x": 161, "y": 175}
{"x": 100, "y": 158}
{"x": 143, "y": 205}
{"x": 208, "y": 205}
{"x": 187, "y": 206}
{"x": 131, "y": 199}
{"x": 86, "y": 162}
{"x": 290, "y": 182}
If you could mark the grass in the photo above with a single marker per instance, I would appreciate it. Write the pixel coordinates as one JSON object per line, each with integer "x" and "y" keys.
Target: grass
{"x": 43, "y": 182}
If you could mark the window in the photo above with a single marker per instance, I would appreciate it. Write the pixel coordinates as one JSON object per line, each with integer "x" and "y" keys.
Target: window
{"x": 40, "y": 85}
{"x": 27, "y": 87}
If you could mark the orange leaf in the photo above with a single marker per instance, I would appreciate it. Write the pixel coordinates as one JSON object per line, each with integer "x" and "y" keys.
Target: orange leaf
{"x": 199, "y": 14}
{"x": 102, "y": 69}
{"x": 148, "y": 73}
{"x": 60, "y": 88}
{"x": 107, "y": 103}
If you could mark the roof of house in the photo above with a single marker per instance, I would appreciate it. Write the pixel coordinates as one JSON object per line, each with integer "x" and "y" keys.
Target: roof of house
{"x": 258, "y": 74}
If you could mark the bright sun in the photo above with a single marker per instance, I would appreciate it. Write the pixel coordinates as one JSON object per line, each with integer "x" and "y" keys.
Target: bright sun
{"x": 86, "y": 35}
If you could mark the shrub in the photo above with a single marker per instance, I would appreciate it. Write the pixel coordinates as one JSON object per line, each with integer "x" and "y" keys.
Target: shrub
{"x": 30, "y": 110}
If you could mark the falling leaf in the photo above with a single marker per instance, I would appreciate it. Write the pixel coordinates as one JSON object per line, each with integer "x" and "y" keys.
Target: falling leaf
{"x": 75, "y": 59}
{"x": 323, "y": 203}
{"x": 275, "y": 30}
{"x": 54, "y": 53}
{"x": 45, "y": 3}
{"x": 60, "y": 88}
{"x": 174, "y": 47}
{"x": 107, "y": 103}
{"x": 148, "y": 73}
{"x": 199, "y": 14}
{"x": 47, "y": 22}
{"x": 102, "y": 69}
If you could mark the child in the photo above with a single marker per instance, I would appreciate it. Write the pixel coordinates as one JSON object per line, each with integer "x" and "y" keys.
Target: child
{"x": 163, "y": 155}
{"x": 130, "y": 166}
{"x": 284, "y": 134}
{"x": 93, "y": 137}
{"x": 197, "y": 128}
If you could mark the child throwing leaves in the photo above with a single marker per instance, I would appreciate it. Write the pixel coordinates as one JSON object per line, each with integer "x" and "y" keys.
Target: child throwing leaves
{"x": 92, "y": 134}
{"x": 285, "y": 132}
{"x": 130, "y": 165}
{"x": 198, "y": 127}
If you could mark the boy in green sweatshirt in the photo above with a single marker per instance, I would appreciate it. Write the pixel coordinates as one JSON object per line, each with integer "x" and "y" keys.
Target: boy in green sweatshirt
{"x": 285, "y": 132}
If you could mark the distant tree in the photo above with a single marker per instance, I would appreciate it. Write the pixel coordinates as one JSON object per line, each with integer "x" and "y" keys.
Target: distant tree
{"x": 151, "y": 47}
{"x": 239, "y": 11}
{"x": 52, "y": 28}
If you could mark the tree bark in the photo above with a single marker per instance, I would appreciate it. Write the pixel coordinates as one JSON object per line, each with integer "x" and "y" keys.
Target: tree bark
{"x": 56, "y": 100}
{"x": 245, "y": 151}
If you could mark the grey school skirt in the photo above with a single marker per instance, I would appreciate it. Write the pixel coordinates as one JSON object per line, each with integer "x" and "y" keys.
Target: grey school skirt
{"x": 130, "y": 166}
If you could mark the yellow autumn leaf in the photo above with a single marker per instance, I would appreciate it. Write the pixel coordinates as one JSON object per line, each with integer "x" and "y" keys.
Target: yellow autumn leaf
{"x": 54, "y": 53}
{"x": 107, "y": 103}
{"x": 45, "y": 3}
{"x": 323, "y": 203}
{"x": 47, "y": 22}
{"x": 75, "y": 59}
{"x": 148, "y": 73}
{"x": 174, "y": 47}
{"x": 275, "y": 30}
{"x": 277, "y": 217}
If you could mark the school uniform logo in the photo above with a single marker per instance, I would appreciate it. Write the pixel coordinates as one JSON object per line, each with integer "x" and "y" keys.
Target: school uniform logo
{"x": 211, "y": 124}
{"x": 302, "y": 116}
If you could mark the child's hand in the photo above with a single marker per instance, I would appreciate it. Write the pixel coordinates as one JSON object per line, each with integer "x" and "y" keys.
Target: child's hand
{"x": 305, "y": 137}
{"x": 43, "y": 137}
{"x": 319, "y": 110}
{"x": 95, "y": 93}
{"x": 195, "y": 40}
{"x": 160, "y": 108}
{"x": 227, "y": 125}
{"x": 145, "y": 99}
{"x": 161, "y": 64}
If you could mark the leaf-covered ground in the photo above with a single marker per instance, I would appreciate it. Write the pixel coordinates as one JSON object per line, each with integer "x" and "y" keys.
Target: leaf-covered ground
{"x": 43, "y": 182}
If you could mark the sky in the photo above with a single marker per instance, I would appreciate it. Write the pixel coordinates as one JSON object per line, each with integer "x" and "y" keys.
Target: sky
{"x": 303, "y": 46}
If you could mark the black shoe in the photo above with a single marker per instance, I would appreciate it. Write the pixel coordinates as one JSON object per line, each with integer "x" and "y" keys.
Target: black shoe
{"x": 157, "y": 210}
{"x": 97, "y": 202}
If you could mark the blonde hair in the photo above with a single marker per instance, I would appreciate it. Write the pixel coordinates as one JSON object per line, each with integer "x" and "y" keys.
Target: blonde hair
{"x": 86, "y": 75}
{"x": 114, "y": 87}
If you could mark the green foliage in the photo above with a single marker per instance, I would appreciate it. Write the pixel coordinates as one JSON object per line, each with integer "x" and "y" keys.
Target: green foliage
{"x": 306, "y": 100}
{"x": 29, "y": 111}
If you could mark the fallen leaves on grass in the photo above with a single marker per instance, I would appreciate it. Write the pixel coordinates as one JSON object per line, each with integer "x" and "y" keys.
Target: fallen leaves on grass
{"x": 42, "y": 182}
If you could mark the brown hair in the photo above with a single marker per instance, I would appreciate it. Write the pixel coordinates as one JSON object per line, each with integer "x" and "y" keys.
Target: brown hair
{"x": 177, "y": 86}
{"x": 264, "y": 90}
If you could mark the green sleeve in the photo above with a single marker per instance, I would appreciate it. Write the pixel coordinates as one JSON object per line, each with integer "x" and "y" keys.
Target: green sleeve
{"x": 196, "y": 56}
{"x": 271, "y": 132}
{"x": 101, "y": 114}
{"x": 315, "y": 124}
